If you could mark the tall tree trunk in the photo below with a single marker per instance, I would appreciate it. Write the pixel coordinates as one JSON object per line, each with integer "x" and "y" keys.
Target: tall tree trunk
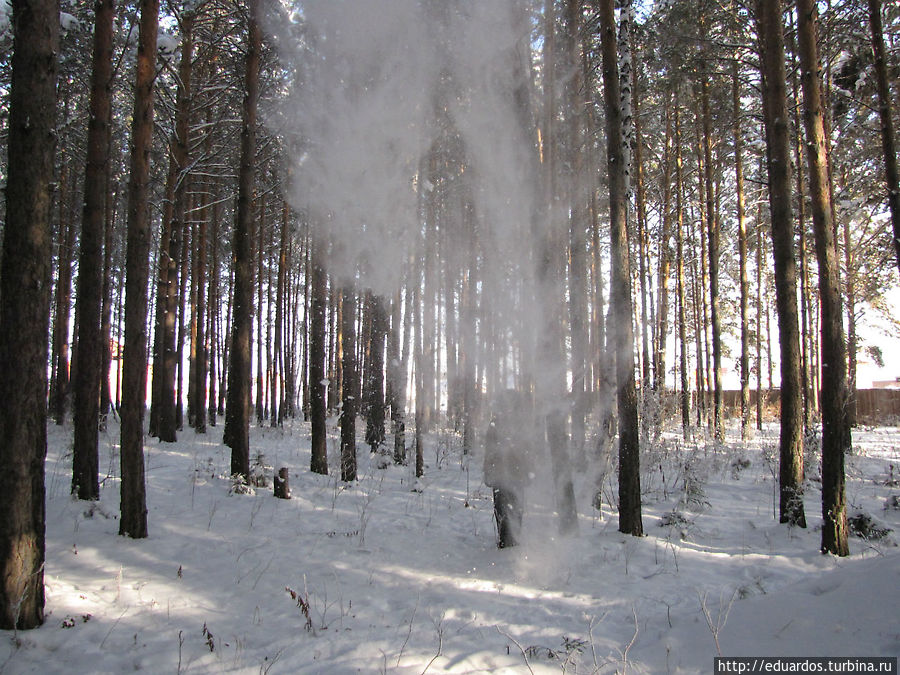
{"x": 836, "y": 439}
{"x": 852, "y": 344}
{"x": 712, "y": 231}
{"x": 214, "y": 309}
{"x": 771, "y": 32}
{"x": 806, "y": 339}
{"x": 237, "y": 417}
{"x": 375, "y": 376}
{"x": 742, "y": 250}
{"x": 278, "y": 392}
{"x": 759, "y": 315}
{"x": 665, "y": 259}
{"x": 620, "y": 294}
{"x": 682, "y": 319}
{"x": 397, "y": 381}
{"x": 161, "y": 307}
{"x": 348, "y": 385}
{"x": 260, "y": 363}
{"x": 133, "y": 521}
{"x": 85, "y": 464}
{"x": 317, "y": 381}
{"x": 25, "y": 311}
{"x": 578, "y": 202}
{"x": 112, "y": 198}
{"x": 68, "y": 229}
{"x": 198, "y": 288}
{"x": 888, "y": 141}
{"x": 183, "y": 326}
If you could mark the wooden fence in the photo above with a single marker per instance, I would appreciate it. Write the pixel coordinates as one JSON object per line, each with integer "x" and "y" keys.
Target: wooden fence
{"x": 873, "y": 406}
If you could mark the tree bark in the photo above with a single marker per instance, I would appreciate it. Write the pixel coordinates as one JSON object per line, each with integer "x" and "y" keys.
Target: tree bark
{"x": 620, "y": 293}
{"x": 59, "y": 390}
{"x": 836, "y": 439}
{"x": 712, "y": 231}
{"x": 317, "y": 382}
{"x": 133, "y": 521}
{"x": 237, "y": 417}
{"x": 374, "y": 396}
{"x": 25, "y": 311}
{"x": 348, "y": 385}
{"x": 85, "y": 464}
{"x": 177, "y": 251}
{"x": 685, "y": 393}
{"x": 742, "y": 250}
{"x": 771, "y": 32}
{"x": 888, "y": 141}
{"x": 396, "y": 381}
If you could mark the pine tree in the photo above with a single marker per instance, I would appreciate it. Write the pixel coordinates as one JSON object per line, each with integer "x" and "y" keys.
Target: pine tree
{"x": 25, "y": 311}
{"x": 771, "y": 37}
{"x": 620, "y": 284}
{"x": 85, "y": 481}
{"x": 133, "y": 522}
{"x": 237, "y": 414}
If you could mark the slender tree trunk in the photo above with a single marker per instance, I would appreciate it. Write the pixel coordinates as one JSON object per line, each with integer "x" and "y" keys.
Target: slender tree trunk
{"x": 112, "y": 198}
{"x": 25, "y": 311}
{"x": 806, "y": 339}
{"x": 665, "y": 259}
{"x": 888, "y": 141}
{"x": 278, "y": 392}
{"x": 348, "y": 388}
{"x": 317, "y": 381}
{"x": 214, "y": 309}
{"x": 60, "y": 389}
{"x": 771, "y": 32}
{"x": 629, "y": 448}
{"x": 85, "y": 482}
{"x": 200, "y": 304}
{"x": 682, "y": 319}
{"x": 852, "y": 345}
{"x": 237, "y": 418}
{"x": 133, "y": 521}
{"x": 759, "y": 315}
{"x": 712, "y": 231}
{"x": 183, "y": 326}
{"x": 375, "y": 433}
{"x": 162, "y": 290}
{"x": 260, "y": 363}
{"x": 742, "y": 251}
{"x": 836, "y": 439}
{"x": 397, "y": 381}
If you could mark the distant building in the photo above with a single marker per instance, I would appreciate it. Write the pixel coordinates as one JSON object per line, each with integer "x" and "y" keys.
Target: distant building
{"x": 886, "y": 384}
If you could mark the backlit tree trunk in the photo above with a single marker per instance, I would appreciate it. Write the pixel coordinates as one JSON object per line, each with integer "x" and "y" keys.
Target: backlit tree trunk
{"x": 348, "y": 385}
{"x": 317, "y": 381}
{"x": 133, "y": 521}
{"x": 836, "y": 439}
{"x": 771, "y": 32}
{"x": 620, "y": 293}
{"x": 85, "y": 483}
{"x": 888, "y": 141}
{"x": 25, "y": 311}
{"x": 237, "y": 415}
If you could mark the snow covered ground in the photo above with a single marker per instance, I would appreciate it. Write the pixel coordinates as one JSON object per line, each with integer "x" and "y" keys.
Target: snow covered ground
{"x": 395, "y": 575}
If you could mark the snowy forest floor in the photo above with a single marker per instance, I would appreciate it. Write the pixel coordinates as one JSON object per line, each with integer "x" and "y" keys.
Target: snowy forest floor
{"x": 396, "y": 575}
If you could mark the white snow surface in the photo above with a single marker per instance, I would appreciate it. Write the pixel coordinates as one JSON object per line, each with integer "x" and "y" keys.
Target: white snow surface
{"x": 405, "y": 581}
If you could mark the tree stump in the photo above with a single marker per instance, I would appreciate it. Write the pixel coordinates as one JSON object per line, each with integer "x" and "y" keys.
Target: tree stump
{"x": 282, "y": 486}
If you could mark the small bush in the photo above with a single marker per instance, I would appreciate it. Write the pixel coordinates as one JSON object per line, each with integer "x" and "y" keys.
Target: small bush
{"x": 864, "y": 526}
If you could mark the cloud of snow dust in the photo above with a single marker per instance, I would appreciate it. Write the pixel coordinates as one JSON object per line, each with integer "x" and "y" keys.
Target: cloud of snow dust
{"x": 380, "y": 90}
{"x": 362, "y": 111}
